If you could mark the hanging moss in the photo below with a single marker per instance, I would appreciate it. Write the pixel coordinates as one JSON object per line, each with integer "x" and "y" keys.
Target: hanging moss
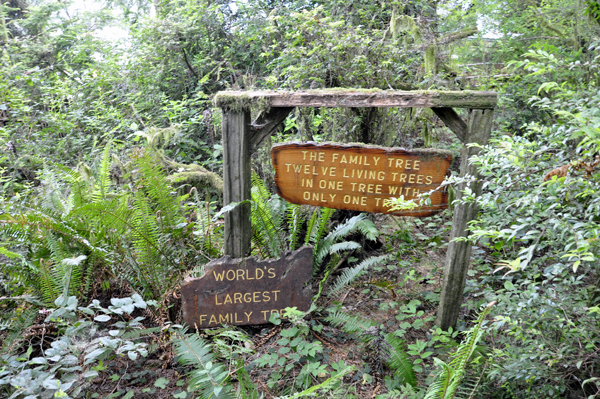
{"x": 402, "y": 25}
{"x": 195, "y": 176}
{"x": 430, "y": 60}
{"x": 241, "y": 101}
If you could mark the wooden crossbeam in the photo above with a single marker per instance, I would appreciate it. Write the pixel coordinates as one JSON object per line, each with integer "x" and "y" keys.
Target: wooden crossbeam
{"x": 358, "y": 98}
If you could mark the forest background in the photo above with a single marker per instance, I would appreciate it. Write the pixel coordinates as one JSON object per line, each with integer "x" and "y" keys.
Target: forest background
{"x": 110, "y": 180}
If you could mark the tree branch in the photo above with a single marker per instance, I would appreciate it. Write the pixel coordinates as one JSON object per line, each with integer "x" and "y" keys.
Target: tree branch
{"x": 187, "y": 62}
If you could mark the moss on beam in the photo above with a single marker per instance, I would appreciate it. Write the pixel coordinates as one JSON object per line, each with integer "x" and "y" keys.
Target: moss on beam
{"x": 240, "y": 101}
{"x": 348, "y": 97}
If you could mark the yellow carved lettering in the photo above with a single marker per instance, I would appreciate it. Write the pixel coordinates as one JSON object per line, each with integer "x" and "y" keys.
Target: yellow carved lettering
{"x": 219, "y": 277}
{"x": 232, "y": 275}
{"x": 237, "y": 296}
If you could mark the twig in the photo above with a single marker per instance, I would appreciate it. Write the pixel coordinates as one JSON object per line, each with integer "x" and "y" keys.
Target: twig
{"x": 187, "y": 62}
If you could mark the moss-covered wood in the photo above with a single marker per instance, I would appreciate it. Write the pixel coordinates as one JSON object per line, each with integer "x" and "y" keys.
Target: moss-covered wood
{"x": 238, "y": 100}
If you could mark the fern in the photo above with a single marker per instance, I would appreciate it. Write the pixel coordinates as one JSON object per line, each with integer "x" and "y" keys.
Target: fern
{"x": 294, "y": 223}
{"x": 209, "y": 234}
{"x": 324, "y": 246}
{"x": 395, "y": 355}
{"x": 310, "y": 226}
{"x": 327, "y": 385}
{"x": 267, "y": 218}
{"x": 350, "y": 274}
{"x": 17, "y": 325}
{"x": 400, "y": 362}
{"x": 208, "y": 376}
{"x": 326, "y": 214}
{"x": 102, "y": 186}
{"x": 350, "y": 323}
{"x": 451, "y": 375}
{"x": 154, "y": 183}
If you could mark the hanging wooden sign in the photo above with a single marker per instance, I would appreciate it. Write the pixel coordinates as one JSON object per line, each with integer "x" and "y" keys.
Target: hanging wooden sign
{"x": 240, "y": 291}
{"x": 360, "y": 177}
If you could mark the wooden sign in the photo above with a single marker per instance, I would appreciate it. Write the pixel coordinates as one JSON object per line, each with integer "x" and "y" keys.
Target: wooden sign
{"x": 239, "y": 291}
{"x": 359, "y": 177}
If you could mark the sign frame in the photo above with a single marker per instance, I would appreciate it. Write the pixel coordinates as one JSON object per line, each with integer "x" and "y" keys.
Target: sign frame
{"x": 241, "y": 137}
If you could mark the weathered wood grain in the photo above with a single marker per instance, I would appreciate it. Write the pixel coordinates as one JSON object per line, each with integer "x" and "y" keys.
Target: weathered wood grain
{"x": 453, "y": 121}
{"x": 266, "y": 123}
{"x": 236, "y": 181}
{"x": 360, "y": 177}
{"x": 247, "y": 290}
{"x": 358, "y": 98}
{"x": 458, "y": 257}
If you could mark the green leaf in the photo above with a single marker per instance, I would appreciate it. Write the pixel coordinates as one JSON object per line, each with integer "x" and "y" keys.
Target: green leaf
{"x": 161, "y": 383}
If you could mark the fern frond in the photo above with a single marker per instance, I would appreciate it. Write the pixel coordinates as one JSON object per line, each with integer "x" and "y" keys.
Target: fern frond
{"x": 328, "y": 248}
{"x": 103, "y": 181}
{"x": 265, "y": 231}
{"x": 209, "y": 234}
{"x": 349, "y": 275}
{"x": 155, "y": 184}
{"x": 267, "y": 218}
{"x": 325, "y": 386}
{"x": 49, "y": 287}
{"x": 208, "y": 376}
{"x": 399, "y": 361}
{"x": 326, "y": 214}
{"x": 350, "y": 226}
{"x": 450, "y": 375}
{"x": 310, "y": 226}
{"x": 18, "y": 324}
{"x": 350, "y": 324}
{"x": 10, "y": 254}
{"x": 368, "y": 229}
{"x": 294, "y": 224}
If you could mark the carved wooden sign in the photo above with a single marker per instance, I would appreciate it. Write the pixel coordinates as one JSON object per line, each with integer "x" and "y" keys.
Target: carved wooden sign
{"x": 239, "y": 291}
{"x": 361, "y": 178}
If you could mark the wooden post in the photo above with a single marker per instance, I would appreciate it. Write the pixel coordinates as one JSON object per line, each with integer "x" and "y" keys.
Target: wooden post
{"x": 479, "y": 126}
{"x": 236, "y": 181}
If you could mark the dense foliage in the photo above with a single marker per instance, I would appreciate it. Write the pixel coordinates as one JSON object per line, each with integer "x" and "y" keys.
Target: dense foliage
{"x": 111, "y": 194}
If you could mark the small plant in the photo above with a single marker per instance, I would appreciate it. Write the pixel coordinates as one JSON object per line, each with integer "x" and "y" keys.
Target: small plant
{"x": 209, "y": 377}
{"x": 57, "y": 370}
